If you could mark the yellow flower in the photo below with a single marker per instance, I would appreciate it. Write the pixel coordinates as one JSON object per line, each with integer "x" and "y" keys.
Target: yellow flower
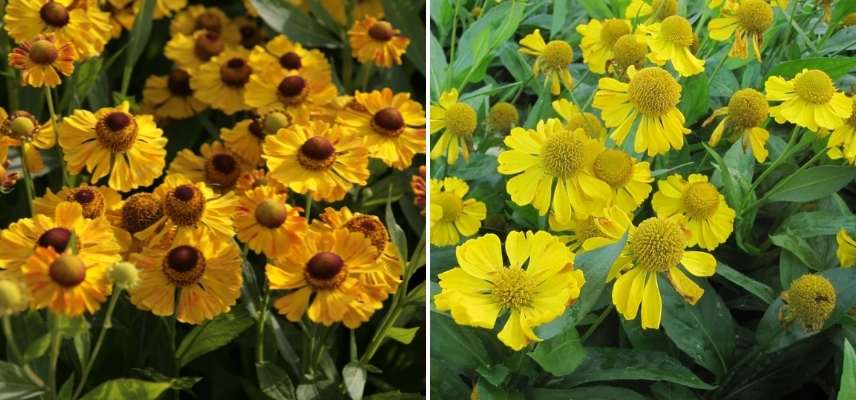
{"x": 266, "y": 223}
{"x": 122, "y": 15}
{"x": 451, "y": 215}
{"x": 483, "y": 287}
{"x": 576, "y": 119}
{"x": 140, "y": 211}
{"x": 317, "y": 158}
{"x": 222, "y": 81}
{"x": 653, "y": 9}
{"x": 256, "y": 178}
{"x": 191, "y": 205}
{"x": 190, "y": 51}
{"x": 810, "y": 299}
{"x": 22, "y": 129}
{"x": 553, "y": 59}
{"x": 842, "y": 142}
{"x": 846, "y": 249}
{"x": 245, "y": 139}
{"x": 377, "y": 41}
{"x": 215, "y": 165}
{"x": 205, "y": 273}
{"x": 656, "y": 246}
{"x": 553, "y": 154}
{"x": 280, "y": 52}
{"x": 598, "y": 41}
{"x": 96, "y": 201}
{"x": 393, "y": 125}
{"x": 64, "y": 282}
{"x": 749, "y": 19}
{"x": 746, "y": 112}
{"x": 654, "y": 94}
{"x": 458, "y": 121}
{"x": 379, "y": 282}
{"x": 595, "y": 231}
{"x": 327, "y": 265}
{"x": 14, "y": 294}
{"x": 299, "y": 90}
{"x": 42, "y": 60}
{"x": 671, "y": 40}
{"x": 87, "y": 28}
{"x": 629, "y": 179}
{"x": 165, "y": 8}
{"x": 198, "y": 17}
{"x": 705, "y": 212}
{"x": 94, "y": 242}
{"x": 130, "y": 148}
{"x": 251, "y": 33}
{"x": 361, "y": 9}
{"x": 810, "y": 100}
{"x": 629, "y": 50}
{"x": 502, "y": 117}
{"x": 171, "y": 96}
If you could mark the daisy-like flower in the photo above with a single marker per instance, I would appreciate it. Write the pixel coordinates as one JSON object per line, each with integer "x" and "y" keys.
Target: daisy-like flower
{"x": 417, "y": 186}
{"x": 338, "y": 9}
{"x": 705, "y": 212}
{"x": 140, "y": 211}
{"x": 392, "y": 125}
{"x": 122, "y": 15}
{"x": 64, "y": 282}
{"x": 96, "y": 201}
{"x": 21, "y": 129}
{"x": 842, "y": 142}
{"x": 452, "y": 216}
{"x": 257, "y": 178}
{"x": 747, "y": 22}
{"x": 810, "y": 301}
{"x": 215, "y": 165}
{"x": 553, "y": 154}
{"x": 323, "y": 276}
{"x": 458, "y": 121}
{"x": 629, "y": 51}
{"x": 204, "y": 274}
{"x": 300, "y": 90}
{"x": 671, "y": 40}
{"x": 292, "y": 56}
{"x": 42, "y": 60}
{"x": 746, "y": 112}
{"x": 94, "y": 240}
{"x": 166, "y": 8}
{"x": 629, "y": 179}
{"x": 189, "y": 205}
{"x": 130, "y": 148}
{"x": 190, "y": 51}
{"x": 245, "y": 139}
{"x": 377, "y": 42}
{"x": 846, "y": 252}
{"x": 593, "y": 232}
{"x": 575, "y": 119}
{"x": 222, "y": 81}
{"x": 266, "y": 223}
{"x": 553, "y": 59}
{"x": 651, "y": 97}
{"x": 598, "y": 40}
{"x": 67, "y": 20}
{"x": 810, "y": 100}
{"x": 212, "y": 19}
{"x": 655, "y": 10}
{"x": 317, "y": 158}
{"x": 657, "y": 246}
{"x": 170, "y": 96}
{"x": 483, "y": 287}
{"x": 502, "y": 117}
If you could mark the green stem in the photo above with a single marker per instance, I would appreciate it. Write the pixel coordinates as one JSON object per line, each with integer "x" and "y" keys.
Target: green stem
{"x": 108, "y": 323}
{"x": 779, "y": 161}
{"x": 60, "y": 155}
{"x": 10, "y": 339}
{"x": 597, "y": 322}
{"x": 454, "y": 31}
{"x": 308, "y": 206}
{"x": 718, "y": 67}
{"x": 784, "y": 181}
{"x": 367, "y": 72}
{"x": 28, "y": 184}
{"x": 260, "y": 351}
{"x": 54, "y": 356}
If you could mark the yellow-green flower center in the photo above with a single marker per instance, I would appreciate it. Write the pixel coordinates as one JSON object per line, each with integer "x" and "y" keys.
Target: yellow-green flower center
{"x": 43, "y": 52}
{"x": 22, "y": 126}
{"x": 701, "y": 200}
{"x": 502, "y": 117}
{"x": 755, "y": 16}
{"x": 587, "y": 122}
{"x": 653, "y": 91}
{"x": 67, "y": 270}
{"x": 557, "y": 54}
{"x": 629, "y": 51}
{"x": 451, "y": 204}
{"x": 614, "y": 167}
{"x": 814, "y": 86}
{"x": 461, "y": 119}
{"x": 747, "y": 108}
{"x": 512, "y": 288}
{"x": 657, "y": 245}
{"x": 271, "y": 213}
{"x": 273, "y": 122}
{"x": 564, "y": 153}
{"x": 612, "y": 30}
{"x": 811, "y": 299}
{"x": 677, "y": 30}
{"x": 587, "y": 229}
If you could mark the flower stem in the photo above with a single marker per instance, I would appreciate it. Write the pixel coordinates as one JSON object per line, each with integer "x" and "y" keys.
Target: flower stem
{"x": 260, "y": 352}
{"x": 28, "y": 184}
{"x": 54, "y": 355}
{"x": 786, "y": 153}
{"x": 108, "y": 323}
{"x": 13, "y": 345}
{"x": 60, "y": 155}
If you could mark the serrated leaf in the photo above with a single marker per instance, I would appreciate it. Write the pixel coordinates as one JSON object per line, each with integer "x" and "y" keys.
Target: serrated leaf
{"x": 212, "y": 335}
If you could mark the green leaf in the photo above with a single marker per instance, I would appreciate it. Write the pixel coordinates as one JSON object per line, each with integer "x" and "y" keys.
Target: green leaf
{"x": 84, "y": 77}
{"x": 608, "y": 364}
{"x": 704, "y": 331}
{"x": 480, "y": 39}
{"x": 274, "y": 381}
{"x": 834, "y": 67}
{"x": 813, "y": 183}
{"x": 797, "y": 245}
{"x": 354, "y": 376}
{"x": 396, "y": 234}
{"x": 596, "y": 8}
{"x": 402, "y": 335}
{"x": 405, "y": 16}
{"x": 212, "y": 335}
{"x": 847, "y": 389}
{"x": 439, "y": 67}
{"x": 140, "y": 33}
{"x": 818, "y": 223}
{"x": 560, "y": 11}
{"x": 14, "y": 384}
{"x": 561, "y": 354}
{"x": 458, "y": 346}
{"x": 127, "y": 389}
{"x": 760, "y": 290}
{"x": 287, "y": 19}
{"x": 587, "y": 393}
{"x": 38, "y": 347}
{"x": 478, "y": 167}
{"x": 842, "y": 8}
{"x": 496, "y": 374}
{"x": 671, "y": 391}
{"x": 695, "y": 99}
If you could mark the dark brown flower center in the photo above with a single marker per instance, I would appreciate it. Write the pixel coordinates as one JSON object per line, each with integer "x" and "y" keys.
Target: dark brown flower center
{"x": 324, "y": 266}
{"x": 382, "y": 31}
{"x": 184, "y": 205}
{"x": 57, "y": 238}
{"x": 90, "y": 199}
{"x": 54, "y": 14}
{"x": 43, "y": 52}
{"x": 179, "y": 83}
{"x": 291, "y": 86}
{"x": 117, "y": 121}
{"x": 271, "y": 213}
{"x": 389, "y": 120}
{"x": 290, "y": 60}
{"x": 67, "y": 270}
{"x": 185, "y": 192}
{"x": 317, "y": 148}
{"x": 224, "y": 163}
{"x": 184, "y": 265}
{"x": 256, "y": 128}
{"x": 208, "y": 21}
{"x": 140, "y": 211}
{"x": 208, "y": 45}
{"x": 116, "y": 131}
{"x": 250, "y": 36}
{"x": 84, "y": 196}
{"x": 235, "y": 72}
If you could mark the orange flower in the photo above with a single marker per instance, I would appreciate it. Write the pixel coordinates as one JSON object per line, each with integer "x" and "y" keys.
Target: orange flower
{"x": 42, "y": 59}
